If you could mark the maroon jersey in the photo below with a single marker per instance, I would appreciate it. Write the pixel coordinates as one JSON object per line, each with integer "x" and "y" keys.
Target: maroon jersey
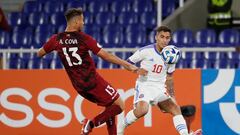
{"x": 73, "y": 49}
{"x": 3, "y": 21}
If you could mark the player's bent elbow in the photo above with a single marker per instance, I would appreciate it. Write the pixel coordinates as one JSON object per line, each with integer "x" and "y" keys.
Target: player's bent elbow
{"x": 38, "y": 54}
{"x": 41, "y": 52}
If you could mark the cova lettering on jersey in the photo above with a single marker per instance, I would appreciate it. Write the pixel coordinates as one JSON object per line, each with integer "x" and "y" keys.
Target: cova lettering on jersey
{"x": 68, "y": 41}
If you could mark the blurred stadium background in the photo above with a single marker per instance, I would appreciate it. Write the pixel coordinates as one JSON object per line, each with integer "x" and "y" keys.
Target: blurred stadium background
{"x": 122, "y": 26}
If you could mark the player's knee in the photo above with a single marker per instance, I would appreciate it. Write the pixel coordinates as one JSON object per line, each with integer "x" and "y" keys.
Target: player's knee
{"x": 119, "y": 102}
{"x": 144, "y": 111}
{"x": 141, "y": 111}
{"x": 116, "y": 108}
{"x": 122, "y": 107}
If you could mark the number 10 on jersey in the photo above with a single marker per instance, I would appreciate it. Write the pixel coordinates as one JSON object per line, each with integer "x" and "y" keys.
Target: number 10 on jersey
{"x": 157, "y": 68}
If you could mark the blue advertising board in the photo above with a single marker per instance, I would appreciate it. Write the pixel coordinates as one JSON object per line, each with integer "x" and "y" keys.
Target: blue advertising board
{"x": 221, "y": 102}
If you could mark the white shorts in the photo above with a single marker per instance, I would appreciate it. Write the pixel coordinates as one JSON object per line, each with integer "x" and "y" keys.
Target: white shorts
{"x": 150, "y": 92}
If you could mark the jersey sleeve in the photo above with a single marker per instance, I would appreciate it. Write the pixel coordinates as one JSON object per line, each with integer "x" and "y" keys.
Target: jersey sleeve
{"x": 136, "y": 57}
{"x": 93, "y": 45}
{"x": 50, "y": 45}
{"x": 171, "y": 68}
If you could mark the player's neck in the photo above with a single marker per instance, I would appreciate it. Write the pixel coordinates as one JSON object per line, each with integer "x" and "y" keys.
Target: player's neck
{"x": 159, "y": 49}
{"x": 70, "y": 29}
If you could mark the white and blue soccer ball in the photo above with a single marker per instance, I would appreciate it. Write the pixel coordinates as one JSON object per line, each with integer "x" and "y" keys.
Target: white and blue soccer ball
{"x": 171, "y": 54}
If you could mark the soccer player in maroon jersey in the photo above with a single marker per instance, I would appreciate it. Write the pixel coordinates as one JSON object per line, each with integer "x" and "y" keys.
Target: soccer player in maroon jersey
{"x": 73, "y": 49}
{"x": 3, "y": 21}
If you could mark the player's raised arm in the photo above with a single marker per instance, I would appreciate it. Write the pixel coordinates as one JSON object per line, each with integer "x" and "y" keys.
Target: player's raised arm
{"x": 48, "y": 47}
{"x": 116, "y": 60}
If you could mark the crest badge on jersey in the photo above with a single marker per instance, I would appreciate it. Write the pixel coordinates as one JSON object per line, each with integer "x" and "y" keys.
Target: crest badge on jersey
{"x": 141, "y": 96}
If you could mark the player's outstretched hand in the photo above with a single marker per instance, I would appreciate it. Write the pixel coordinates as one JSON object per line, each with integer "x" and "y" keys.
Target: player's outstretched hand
{"x": 135, "y": 69}
{"x": 131, "y": 67}
{"x": 142, "y": 71}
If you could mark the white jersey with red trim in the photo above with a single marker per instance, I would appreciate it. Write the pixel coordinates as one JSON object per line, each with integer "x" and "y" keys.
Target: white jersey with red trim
{"x": 151, "y": 60}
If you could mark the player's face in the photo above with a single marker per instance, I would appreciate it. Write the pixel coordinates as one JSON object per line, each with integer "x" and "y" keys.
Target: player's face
{"x": 163, "y": 38}
{"x": 80, "y": 22}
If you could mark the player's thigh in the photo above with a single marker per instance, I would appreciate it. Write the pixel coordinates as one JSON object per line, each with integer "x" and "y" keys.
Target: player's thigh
{"x": 105, "y": 94}
{"x": 142, "y": 105}
{"x": 144, "y": 93}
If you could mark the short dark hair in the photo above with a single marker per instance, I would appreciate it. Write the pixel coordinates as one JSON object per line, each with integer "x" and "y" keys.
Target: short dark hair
{"x": 164, "y": 29}
{"x": 72, "y": 12}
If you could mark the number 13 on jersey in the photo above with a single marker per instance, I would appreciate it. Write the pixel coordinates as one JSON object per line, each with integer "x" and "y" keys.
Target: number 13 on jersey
{"x": 73, "y": 54}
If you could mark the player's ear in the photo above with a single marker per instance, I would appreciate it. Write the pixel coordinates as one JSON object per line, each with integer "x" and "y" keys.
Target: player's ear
{"x": 156, "y": 36}
{"x": 75, "y": 21}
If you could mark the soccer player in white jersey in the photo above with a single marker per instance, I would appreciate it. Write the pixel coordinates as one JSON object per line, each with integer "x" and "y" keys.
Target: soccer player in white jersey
{"x": 156, "y": 88}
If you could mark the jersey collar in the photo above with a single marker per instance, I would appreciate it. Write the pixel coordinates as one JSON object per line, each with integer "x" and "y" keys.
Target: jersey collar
{"x": 155, "y": 48}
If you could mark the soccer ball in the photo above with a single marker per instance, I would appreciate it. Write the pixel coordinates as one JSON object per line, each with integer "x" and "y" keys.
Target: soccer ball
{"x": 171, "y": 54}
